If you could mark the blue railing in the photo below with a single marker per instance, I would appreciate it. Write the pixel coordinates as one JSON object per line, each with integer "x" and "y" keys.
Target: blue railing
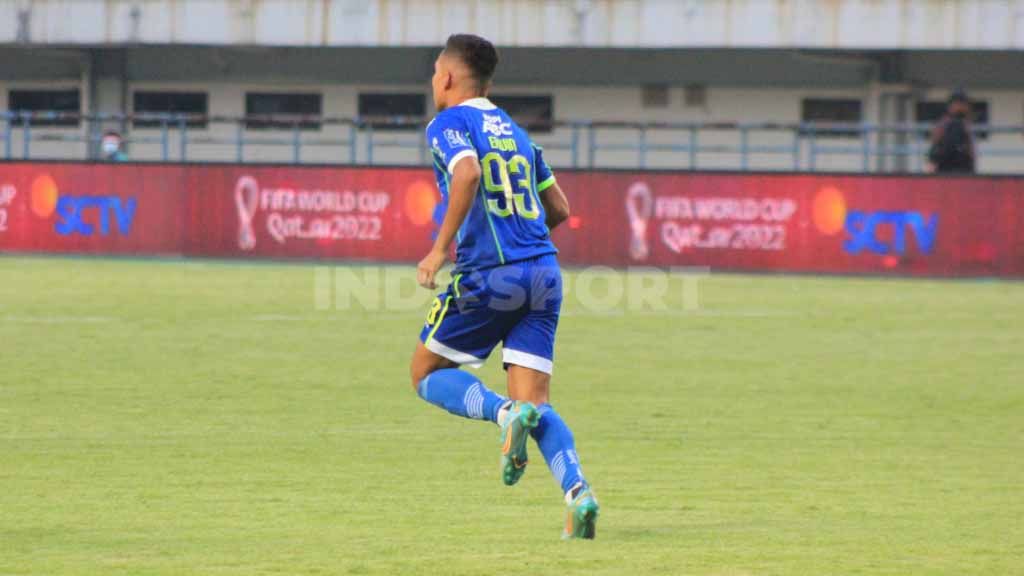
{"x": 578, "y": 144}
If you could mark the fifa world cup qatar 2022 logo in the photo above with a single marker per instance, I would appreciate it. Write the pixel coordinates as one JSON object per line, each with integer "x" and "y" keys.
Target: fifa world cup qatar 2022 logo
{"x": 685, "y": 223}
{"x": 7, "y": 194}
{"x": 639, "y": 205}
{"x": 296, "y": 214}
{"x": 247, "y": 197}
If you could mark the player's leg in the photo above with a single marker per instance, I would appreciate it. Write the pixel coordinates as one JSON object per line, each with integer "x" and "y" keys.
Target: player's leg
{"x": 557, "y": 444}
{"x": 458, "y": 331}
{"x": 528, "y": 354}
{"x": 528, "y": 385}
{"x": 424, "y": 362}
{"x": 517, "y": 421}
{"x": 440, "y": 382}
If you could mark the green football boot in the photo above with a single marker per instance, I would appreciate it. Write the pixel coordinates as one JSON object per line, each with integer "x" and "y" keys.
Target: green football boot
{"x": 581, "y": 520}
{"x": 515, "y": 431}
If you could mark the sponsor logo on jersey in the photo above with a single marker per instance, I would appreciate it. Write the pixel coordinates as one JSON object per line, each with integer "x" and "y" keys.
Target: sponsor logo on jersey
{"x": 455, "y": 140}
{"x": 494, "y": 125}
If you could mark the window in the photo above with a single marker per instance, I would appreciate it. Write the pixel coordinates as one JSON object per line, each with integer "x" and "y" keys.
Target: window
{"x": 655, "y": 96}
{"x": 67, "y": 101}
{"x": 931, "y": 112}
{"x": 534, "y": 113}
{"x": 193, "y": 103}
{"x": 831, "y": 110}
{"x": 382, "y": 111}
{"x": 696, "y": 96}
{"x": 285, "y": 105}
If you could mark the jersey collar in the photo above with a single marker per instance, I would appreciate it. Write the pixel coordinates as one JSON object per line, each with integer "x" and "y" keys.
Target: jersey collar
{"x": 480, "y": 103}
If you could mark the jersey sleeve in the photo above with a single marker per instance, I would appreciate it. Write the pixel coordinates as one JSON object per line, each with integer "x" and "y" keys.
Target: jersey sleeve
{"x": 449, "y": 140}
{"x": 545, "y": 177}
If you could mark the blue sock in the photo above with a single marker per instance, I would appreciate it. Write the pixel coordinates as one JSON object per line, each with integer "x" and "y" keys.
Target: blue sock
{"x": 559, "y": 448}
{"x": 460, "y": 393}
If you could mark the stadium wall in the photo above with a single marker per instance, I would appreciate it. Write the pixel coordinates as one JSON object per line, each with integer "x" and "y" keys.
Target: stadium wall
{"x": 885, "y": 24}
{"x": 213, "y": 142}
{"x": 749, "y": 222}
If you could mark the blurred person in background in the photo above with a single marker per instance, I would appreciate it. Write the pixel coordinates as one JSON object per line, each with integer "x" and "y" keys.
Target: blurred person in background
{"x": 952, "y": 145}
{"x": 112, "y": 146}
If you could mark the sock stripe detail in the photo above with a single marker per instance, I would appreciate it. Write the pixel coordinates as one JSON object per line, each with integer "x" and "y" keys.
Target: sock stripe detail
{"x": 571, "y": 456}
{"x": 474, "y": 402}
{"x": 558, "y": 466}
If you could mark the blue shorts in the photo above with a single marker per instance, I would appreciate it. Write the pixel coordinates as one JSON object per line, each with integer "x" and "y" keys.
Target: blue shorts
{"x": 516, "y": 304}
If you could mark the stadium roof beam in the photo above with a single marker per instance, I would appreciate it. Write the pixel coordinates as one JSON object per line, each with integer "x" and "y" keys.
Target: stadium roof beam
{"x": 536, "y": 66}
{"x": 832, "y": 24}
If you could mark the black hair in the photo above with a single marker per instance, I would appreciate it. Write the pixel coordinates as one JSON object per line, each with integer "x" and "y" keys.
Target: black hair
{"x": 477, "y": 53}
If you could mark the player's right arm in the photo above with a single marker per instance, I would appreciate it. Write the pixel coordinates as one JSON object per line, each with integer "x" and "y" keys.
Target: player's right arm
{"x": 461, "y": 192}
{"x": 451, "y": 146}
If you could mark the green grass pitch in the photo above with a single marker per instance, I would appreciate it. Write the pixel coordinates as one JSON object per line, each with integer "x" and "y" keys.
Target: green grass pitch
{"x": 174, "y": 418}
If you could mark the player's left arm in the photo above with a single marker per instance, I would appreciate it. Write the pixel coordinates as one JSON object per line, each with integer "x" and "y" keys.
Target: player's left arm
{"x": 556, "y": 205}
{"x": 461, "y": 191}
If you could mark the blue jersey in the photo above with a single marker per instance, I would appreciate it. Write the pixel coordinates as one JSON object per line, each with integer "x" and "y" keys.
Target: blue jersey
{"x": 506, "y": 222}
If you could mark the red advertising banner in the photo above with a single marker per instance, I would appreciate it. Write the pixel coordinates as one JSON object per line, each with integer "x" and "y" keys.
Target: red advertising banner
{"x": 799, "y": 223}
{"x": 314, "y": 213}
{"x": 220, "y": 211}
{"x": 81, "y": 208}
{"x": 757, "y": 222}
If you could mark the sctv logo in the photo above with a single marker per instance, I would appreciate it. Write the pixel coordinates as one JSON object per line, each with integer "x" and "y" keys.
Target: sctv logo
{"x": 883, "y": 232}
{"x": 81, "y": 215}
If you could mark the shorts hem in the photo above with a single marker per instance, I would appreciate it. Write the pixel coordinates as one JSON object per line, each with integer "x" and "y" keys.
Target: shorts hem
{"x": 527, "y": 360}
{"x": 454, "y": 355}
